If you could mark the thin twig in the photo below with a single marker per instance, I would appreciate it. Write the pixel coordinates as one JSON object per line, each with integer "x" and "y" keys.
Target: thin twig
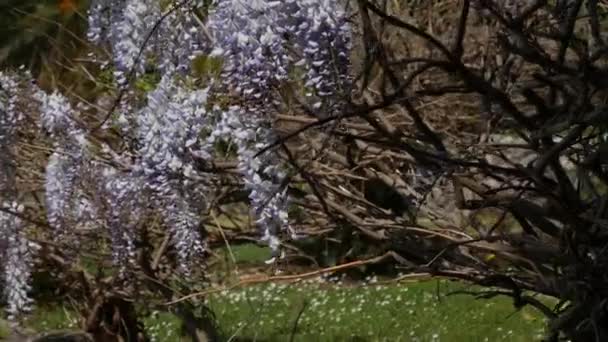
{"x": 296, "y": 321}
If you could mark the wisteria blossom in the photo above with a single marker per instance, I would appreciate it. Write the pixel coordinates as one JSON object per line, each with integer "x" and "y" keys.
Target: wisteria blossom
{"x": 122, "y": 205}
{"x": 170, "y": 129}
{"x": 138, "y": 19}
{"x": 324, "y": 37}
{"x": 180, "y": 40}
{"x": 263, "y": 177}
{"x": 259, "y": 43}
{"x": 9, "y": 119}
{"x": 17, "y": 261}
{"x": 102, "y": 14}
{"x": 183, "y": 222}
{"x": 16, "y": 250}
{"x": 137, "y": 30}
{"x": 247, "y": 35}
{"x": 65, "y": 163}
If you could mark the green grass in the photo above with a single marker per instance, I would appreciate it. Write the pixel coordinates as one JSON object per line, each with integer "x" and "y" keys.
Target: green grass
{"x": 408, "y": 312}
{"x": 329, "y": 312}
{"x": 250, "y": 253}
{"x": 55, "y": 317}
{"x": 4, "y": 329}
{"x": 419, "y": 311}
{"x": 163, "y": 326}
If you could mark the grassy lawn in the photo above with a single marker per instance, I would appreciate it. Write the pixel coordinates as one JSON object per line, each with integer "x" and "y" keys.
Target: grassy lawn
{"x": 413, "y": 311}
{"x": 407, "y": 312}
{"x": 330, "y": 311}
{"x": 4, "y": 330}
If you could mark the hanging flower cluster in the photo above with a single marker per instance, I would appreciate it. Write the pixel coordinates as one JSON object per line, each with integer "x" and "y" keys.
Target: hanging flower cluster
{"x": 324, "y": 36}
{"x": 179, "y": 40}
{"x": 139, "y": 17}
{"x": 15, "y": 249}
{"x": 9, "y": 119}
{"x": 135, "y": 32}
{"x": 122, "y": 206}
{"x": 124, "y": 25}
{"x": 261, "y": 43}
{"x": 262, "y": 174}
{"x": 16, "y": 259}
{"x": 65, "y": 164}
{"x": 248, "y": 36}
{"x": 102, "y": 16}
{"x": 170, "y": 128}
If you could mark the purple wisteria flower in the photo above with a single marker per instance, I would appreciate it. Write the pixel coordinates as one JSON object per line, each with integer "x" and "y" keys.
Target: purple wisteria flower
{"x": 323, "y": 35}
{"x": 102, "y": 15}
{"x": 170, "y": 128}
{"x": 65, "y": 164}
{"x": 180, "y": 40}
{"x": 260, "y": 42}
{"x": 9, "y": 119}
{"x": 61, "y": 177}
{"x": 16, "y": 250}
{"x": 248, "y": 36}
{"x": 138, "y": 20}
{"x": 16, "y": 260}
{"x": 138, "y": 31}
{"x": 122, "y": 207}
{"x": 262, "y": 175}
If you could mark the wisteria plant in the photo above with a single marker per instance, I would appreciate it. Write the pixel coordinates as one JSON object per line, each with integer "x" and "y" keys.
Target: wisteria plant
{"x": 169, "y": 135}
